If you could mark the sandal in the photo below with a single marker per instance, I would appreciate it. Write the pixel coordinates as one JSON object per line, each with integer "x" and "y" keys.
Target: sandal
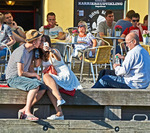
{"x": 20, "y": 115}
{"x": 31, "y": 118}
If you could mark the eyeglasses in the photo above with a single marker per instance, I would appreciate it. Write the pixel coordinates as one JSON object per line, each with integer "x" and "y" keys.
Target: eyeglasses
{"x": 81, "y": 25}
{"x": 136, "y": 20}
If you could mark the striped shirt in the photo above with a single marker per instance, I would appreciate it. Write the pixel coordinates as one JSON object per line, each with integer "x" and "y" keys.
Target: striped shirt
{"x": 20, "y": 55}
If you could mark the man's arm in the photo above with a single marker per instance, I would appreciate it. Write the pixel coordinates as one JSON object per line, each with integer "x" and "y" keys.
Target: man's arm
{"x": 61, "y": 36}
{"x": 21, "y": 33}
{"x": 21, "y": 72}
{"x": 12, "y": 41}
{"x": 19, "y": 30}
{"x": 18, "y": 38}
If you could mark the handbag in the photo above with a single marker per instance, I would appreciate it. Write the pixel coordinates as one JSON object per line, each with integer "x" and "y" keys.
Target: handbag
{"x": 51, "y": 69}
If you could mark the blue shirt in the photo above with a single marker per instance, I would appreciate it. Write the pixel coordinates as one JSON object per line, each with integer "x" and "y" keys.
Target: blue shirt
{"x": 124, "y": 24}
{"x": 135, "y": 68}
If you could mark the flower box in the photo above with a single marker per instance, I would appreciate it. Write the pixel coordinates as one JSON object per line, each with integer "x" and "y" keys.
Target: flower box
{"x": 118, "y": 30}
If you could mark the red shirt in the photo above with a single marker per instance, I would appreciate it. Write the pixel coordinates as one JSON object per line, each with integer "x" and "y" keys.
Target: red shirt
{"x": 135, "y": 30}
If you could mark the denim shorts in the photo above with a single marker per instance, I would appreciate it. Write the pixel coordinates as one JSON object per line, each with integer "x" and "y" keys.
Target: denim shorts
{"x": 25, "y": 83}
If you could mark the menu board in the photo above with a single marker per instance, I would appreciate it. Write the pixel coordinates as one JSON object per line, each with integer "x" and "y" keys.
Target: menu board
{"x": 93, "y": 11}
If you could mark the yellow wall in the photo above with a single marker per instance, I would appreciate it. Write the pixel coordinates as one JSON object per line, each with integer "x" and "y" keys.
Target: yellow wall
{"x": 139, "y": 6}
{"x": 64, "y": 10}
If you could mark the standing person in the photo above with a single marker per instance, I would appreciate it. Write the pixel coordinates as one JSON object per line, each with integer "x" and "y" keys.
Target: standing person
{"x": 134, "y": 72}
{"x": 6, "y": 36}
{"x": 20, "y": 72}
{"x": 65, "y": 78}
{"x": 55, "y": 31}
{"x": 17, "y": 31}
{"x": 107, "y": 24}
{"x": 136, "y": 27}
{"x": 126, "y": 22}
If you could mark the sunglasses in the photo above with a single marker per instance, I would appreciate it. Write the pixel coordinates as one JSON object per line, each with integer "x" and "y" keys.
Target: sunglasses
{"x": 81, "y": 25}
{"x": 135, "y": 20}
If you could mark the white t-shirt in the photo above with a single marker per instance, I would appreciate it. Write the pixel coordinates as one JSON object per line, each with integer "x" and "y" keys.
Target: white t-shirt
{"x": 53, "y": 32}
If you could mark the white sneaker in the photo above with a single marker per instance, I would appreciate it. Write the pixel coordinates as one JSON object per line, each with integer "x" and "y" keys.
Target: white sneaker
{"x": 55, "y": 117}
{"x": 60, "y": 102}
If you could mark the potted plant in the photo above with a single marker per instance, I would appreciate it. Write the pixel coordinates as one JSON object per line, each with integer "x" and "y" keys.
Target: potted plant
{"x": 74, "y": 36}
{"x": 46, "y": 29}
{"x": 118, "y": 29}
{"x": 145, "y": 36}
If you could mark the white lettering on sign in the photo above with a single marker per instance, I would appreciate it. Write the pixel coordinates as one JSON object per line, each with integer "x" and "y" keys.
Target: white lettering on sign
{"x": 93, "y": 13}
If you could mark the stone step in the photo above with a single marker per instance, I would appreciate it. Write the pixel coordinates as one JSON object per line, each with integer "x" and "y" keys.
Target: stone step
{"x": 73, "y": 126}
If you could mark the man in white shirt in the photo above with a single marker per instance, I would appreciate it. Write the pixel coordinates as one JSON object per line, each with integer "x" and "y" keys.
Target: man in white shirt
{"x": 55, "y": 31}
{"x": 134, "y": 72}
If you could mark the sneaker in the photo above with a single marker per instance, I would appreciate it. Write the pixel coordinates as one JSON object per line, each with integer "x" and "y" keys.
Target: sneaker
{"x": 60, "y": 102}
{"x": 55, "y": 117}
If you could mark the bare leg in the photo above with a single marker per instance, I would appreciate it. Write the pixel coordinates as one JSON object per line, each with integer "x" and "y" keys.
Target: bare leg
{"x": 49, "y": 81}
{"x": 54, "y": 102}
{"x": 30, "y": 96}
{"x": 37, "y": 97}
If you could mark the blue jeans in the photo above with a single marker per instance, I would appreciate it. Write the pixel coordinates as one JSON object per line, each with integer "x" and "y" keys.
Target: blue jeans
{"x": 25, "y": 83}
{"x": 110, "y": 81}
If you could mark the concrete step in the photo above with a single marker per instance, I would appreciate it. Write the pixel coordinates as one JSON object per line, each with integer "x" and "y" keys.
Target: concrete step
{"x": 73, "y": 126}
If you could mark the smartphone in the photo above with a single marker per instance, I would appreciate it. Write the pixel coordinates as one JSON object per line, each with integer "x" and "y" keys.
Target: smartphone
{"x": 46, "y": 44}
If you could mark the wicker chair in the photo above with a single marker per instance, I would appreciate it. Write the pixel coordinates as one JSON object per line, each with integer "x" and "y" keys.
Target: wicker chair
{"x": 102, "y": 56}
{"x": 147, "y": 47}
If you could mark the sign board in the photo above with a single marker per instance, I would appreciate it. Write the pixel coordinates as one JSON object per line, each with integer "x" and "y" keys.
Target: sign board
{"x": 93, "y": 11}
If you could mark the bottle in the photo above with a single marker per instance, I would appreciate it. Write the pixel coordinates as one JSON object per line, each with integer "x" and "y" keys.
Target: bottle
{"x": 37, "y": 54}
{"x": 117, "y": 60}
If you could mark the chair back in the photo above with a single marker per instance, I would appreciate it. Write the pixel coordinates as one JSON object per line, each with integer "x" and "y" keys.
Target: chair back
{"x": 99, "y": 41}
{"x": 147, "y": 48}
{"x": 103, "y": 55}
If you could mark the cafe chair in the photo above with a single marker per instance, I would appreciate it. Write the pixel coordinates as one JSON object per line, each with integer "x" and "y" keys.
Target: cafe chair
{"x": 146, "y": 47}
{"x": 99, "y": 41}
{"x": 102, "y": 56}
{"x": 4, "y": 60}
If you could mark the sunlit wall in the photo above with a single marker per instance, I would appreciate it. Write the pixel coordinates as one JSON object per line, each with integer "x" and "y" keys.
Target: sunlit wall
{"x": 64, "y": 10}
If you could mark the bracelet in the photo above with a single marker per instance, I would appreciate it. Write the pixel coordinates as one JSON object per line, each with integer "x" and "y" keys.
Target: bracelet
{"x": 53, "y": 51}
{"x": 17, "y": 28}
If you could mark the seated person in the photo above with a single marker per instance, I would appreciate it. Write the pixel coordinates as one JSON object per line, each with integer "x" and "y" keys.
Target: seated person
{"x": 136, "y": 27}
{"x": 85, "y": 38}
{"x": 145, "y": 21}
{"x": 108, "y": 24}
{"x": 134, "y": 72}
{"x": 64, "y": 78}
{"x": 6, "y": 36}
{"x": 18, "y": 31}
{"x": 55, "y": 31}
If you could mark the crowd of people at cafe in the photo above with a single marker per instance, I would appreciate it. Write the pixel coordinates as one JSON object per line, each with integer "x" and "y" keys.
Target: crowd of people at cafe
{"x": 33, "y": 49}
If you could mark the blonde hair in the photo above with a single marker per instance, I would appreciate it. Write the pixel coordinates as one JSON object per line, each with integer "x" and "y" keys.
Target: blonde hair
{"x": 84, "y": 23}
{"x": 1, "y": 18}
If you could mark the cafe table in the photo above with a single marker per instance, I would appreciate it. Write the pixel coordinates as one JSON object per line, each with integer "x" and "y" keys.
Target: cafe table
{"x": 114, "y": 39}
